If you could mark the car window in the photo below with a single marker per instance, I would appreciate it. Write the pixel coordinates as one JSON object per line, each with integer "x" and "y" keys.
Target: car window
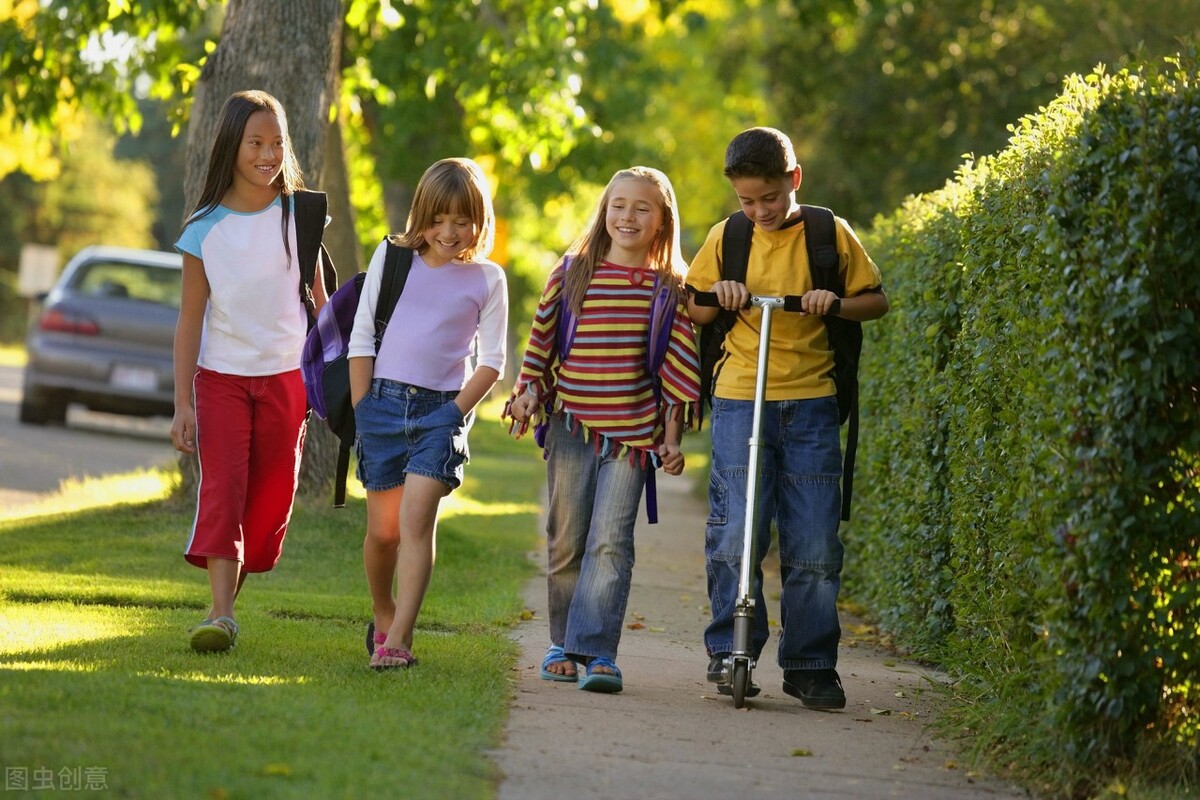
{"x": 136, "y": 281}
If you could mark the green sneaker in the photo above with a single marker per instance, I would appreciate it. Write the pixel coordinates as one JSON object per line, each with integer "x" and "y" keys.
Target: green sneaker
{"x": 214, "y": 635}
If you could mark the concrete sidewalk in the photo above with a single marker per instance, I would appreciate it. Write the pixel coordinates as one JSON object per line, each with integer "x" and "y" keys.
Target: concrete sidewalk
{"x": 670, "y": 735}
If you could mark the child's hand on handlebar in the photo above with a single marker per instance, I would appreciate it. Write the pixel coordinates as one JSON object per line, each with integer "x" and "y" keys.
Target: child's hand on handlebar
{"x": 818, "y": 301}
{"x": 732, "y": 295}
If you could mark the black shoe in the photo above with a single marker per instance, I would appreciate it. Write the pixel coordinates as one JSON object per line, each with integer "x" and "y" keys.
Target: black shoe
{"x": 371, "y": 638}
{"x": 718, "y": 674}
{"x": 815, "y": 688}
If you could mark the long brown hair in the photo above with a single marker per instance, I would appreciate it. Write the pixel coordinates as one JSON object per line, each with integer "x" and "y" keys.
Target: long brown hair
{"x": 590, "y": 249}
{"x": 222, "y": 159}
{"x": 452, "y": 186}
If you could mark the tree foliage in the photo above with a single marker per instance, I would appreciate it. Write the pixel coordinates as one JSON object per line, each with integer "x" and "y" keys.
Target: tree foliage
{"x": 59, "y": 57}
{"x": 886, "y": 96}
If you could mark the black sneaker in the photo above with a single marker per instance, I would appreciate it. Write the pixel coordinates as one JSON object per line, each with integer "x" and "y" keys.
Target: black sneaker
{"x": 718, "y": 674}
{"x": 815, "y": 688}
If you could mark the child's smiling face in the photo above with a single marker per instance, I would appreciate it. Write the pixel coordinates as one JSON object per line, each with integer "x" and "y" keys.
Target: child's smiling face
{"x": 260, "y": 155}
{"x": 633, "y": 217}
{"x": 451, "y": 234}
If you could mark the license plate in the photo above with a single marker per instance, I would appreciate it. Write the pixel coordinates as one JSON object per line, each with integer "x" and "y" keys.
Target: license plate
{"x": 143, "y": 379}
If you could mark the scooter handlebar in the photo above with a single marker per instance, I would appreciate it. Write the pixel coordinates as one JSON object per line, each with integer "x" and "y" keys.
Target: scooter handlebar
{"x": 791, "y": 302}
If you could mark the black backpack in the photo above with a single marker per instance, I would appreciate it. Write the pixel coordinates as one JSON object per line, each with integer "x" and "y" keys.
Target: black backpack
{"x": 845, "y": 336}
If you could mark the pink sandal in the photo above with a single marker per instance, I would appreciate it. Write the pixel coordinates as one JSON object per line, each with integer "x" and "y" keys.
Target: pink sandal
{"x": 403, "y": 654}
{"x": 374, "y": 637}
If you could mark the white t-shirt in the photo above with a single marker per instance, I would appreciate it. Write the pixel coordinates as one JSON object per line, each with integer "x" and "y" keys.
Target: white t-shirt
{"x": 444, "y": 316}
{"x": 255, "y": 322}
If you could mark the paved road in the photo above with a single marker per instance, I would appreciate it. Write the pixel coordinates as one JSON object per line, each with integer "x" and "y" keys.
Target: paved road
{"x": 34, "y": 459}
{"x": 668, "y": 735}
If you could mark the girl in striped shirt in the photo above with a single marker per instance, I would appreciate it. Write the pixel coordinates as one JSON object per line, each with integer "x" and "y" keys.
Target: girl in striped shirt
{"x": 606, "y": 421}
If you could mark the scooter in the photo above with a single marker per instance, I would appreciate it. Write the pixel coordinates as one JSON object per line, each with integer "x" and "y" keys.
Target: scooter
{"x": 739, "y": 665}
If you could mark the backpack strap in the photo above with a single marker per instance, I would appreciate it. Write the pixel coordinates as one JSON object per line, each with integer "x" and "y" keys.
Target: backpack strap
{"x": 820, "y": 238}
{"x": 662, "y": 320}
{"x": 311, "y": 212}
{"x": 397, "y": 263}
{"x": 845, "y": 336}
{"x": 564, "y": 334}
{"x": 735, "y": 258}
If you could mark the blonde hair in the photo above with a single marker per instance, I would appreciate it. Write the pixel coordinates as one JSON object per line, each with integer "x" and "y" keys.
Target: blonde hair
{"x": 452, "y": 186}
{"x": 586, "y": 253}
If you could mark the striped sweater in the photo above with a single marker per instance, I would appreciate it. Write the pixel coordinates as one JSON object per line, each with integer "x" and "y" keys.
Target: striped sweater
{"x": 603, "y": 386}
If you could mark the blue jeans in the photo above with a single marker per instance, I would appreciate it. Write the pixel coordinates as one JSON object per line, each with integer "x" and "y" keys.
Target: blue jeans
{"x": 799, "y": 490}
{"x": 589, "y": 540}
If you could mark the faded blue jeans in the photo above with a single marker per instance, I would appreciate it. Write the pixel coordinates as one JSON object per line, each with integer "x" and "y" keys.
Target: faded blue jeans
{"x": 589, "y": 540}
{"x": 799, "y": 489}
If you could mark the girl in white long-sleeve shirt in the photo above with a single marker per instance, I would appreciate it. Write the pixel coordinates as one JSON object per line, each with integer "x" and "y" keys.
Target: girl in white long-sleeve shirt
{"x": 414, "y": 402}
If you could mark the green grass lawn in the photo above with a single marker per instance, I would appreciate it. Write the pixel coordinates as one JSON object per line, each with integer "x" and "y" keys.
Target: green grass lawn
{"x": 96, "y": 673}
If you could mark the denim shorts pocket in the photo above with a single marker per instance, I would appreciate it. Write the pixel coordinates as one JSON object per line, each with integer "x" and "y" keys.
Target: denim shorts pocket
{"x": 367, "y": 413}
{"x": 450, "y": 414}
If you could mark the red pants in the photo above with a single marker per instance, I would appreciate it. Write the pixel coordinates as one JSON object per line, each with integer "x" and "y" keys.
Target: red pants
{"x": 249, "y": 436}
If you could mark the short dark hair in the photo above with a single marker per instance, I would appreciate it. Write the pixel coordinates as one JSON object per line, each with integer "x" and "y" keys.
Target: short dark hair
{"x": 760, "y": 153}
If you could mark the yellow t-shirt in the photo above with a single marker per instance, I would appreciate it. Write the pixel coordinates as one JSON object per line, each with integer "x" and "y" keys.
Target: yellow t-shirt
{"x": 800, "y": 359}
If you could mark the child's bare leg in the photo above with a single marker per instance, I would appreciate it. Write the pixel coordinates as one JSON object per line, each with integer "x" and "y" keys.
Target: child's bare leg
{"x": 414, "y": 564}
{"x": 379, "y": 552}
{"x": 225, "y": 578}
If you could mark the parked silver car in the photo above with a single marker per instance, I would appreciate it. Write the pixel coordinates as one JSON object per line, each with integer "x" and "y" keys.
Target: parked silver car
{"x": 103, "y": 336}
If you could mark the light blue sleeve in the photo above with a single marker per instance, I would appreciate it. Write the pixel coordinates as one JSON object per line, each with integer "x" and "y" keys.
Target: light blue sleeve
{"x": 191, "y": 239}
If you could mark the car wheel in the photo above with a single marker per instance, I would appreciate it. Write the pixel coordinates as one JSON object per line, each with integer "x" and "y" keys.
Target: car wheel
{"x": 42, "y": 409}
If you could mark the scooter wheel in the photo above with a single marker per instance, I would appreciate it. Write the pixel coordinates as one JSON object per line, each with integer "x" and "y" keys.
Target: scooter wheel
{"x": 741, "y": 681}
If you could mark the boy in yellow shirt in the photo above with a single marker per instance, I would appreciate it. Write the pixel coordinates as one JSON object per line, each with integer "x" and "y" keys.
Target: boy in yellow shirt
{"x": 801, "y": 464}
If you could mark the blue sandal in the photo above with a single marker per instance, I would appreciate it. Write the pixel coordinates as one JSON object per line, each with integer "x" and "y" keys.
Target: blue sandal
{"x": 595, "y": 681}
{"x": 556, "y": 655}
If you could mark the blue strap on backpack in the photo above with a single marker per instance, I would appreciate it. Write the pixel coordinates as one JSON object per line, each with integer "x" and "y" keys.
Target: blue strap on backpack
{"x": 324, "y": 361}
{"x": 662, "y": 317}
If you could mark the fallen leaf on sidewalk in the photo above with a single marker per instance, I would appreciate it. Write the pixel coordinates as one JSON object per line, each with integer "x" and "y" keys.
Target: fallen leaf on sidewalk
{"x": 635, "y": 626}
{"x": 881, "y": 712}
{"x": 802, "y": 751}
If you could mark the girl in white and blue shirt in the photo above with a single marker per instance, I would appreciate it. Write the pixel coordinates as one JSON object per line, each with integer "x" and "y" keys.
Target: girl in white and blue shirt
{"x": 240, "y": 404}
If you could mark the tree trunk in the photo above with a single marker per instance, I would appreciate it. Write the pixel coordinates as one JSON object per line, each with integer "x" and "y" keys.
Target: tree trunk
{"x": 340, "y": 237}
{"x": 291, "y": 50}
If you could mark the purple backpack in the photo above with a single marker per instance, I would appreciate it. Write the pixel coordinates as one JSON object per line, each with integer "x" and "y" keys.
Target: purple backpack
{"x": 324, "y": 362}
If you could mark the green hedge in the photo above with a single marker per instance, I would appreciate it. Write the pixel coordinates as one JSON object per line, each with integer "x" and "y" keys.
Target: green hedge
{"x": 1028, "y": 495}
